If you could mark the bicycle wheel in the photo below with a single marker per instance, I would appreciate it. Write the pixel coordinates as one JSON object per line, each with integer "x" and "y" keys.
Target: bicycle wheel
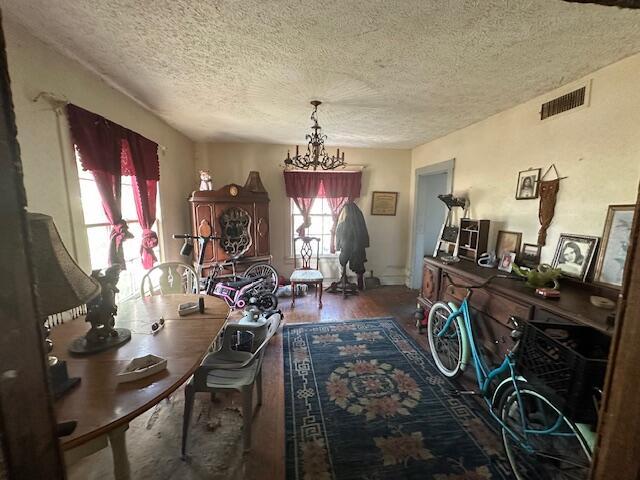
{"x": 447, "y": 350}
{"x": 263, "y": 269}
{"x": 564, "y": 455}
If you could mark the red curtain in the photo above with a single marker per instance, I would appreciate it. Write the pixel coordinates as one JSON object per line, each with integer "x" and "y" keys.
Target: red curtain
{"x": 303, "y": 188}
{"x": 109, "y": 151}
{"x": 142, "y": 155}
{"x": 338, "y": 188}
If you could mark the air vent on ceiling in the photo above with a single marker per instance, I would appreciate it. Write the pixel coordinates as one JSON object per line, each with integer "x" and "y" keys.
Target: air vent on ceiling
{"x": 563, "y": 103}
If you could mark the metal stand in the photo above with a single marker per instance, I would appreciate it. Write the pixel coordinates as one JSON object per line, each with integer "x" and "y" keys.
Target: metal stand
{"x": 449, "y": 233}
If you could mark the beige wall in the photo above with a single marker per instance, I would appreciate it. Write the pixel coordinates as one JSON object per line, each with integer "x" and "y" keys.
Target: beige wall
{"x": 597, "y": 148}
{"x": 385, "y": 170}
{"x": 36, "y": 68}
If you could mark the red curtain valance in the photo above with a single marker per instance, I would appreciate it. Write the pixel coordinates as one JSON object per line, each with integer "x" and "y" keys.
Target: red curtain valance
{"x": 105, "y": 146}
{"x": 322, "y": 184}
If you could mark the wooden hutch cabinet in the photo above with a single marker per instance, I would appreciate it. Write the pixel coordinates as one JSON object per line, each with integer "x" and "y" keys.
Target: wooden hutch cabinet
{"x": 238, "y": 214}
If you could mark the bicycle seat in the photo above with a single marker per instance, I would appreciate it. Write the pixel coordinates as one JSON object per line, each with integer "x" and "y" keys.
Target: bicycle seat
{"x": 239, "y": 283}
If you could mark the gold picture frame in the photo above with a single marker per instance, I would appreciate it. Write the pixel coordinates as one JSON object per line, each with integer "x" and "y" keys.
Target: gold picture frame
{"x": 384, "y": 203}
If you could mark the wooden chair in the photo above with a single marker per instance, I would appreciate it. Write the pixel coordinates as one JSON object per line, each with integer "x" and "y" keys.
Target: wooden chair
{"x": 306, "y": 274}
{"x": 169, "y": 277}
{"x": 233, "y": 369}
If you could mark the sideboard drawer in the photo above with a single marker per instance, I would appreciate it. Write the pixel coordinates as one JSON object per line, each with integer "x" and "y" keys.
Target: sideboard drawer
{"x": 493, "y": 304}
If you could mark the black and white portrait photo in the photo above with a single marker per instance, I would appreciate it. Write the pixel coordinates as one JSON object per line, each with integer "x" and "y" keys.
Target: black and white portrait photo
{"x": 527, "y": 187}
{"x": 574, "y": 254}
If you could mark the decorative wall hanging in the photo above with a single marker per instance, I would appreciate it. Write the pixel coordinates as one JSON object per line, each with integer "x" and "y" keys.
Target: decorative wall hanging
{"x": 316, "y": 155}
{"x": 384, "y": 203}
{"x": 548, "y": 190}
{"x": 236, "y": 238}
{"x": 615, "y": 243}
{"x": 574, "y": 254}
{"x": 527, "y": 187}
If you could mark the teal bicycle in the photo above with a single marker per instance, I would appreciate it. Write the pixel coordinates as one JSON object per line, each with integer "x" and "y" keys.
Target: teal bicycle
{"x": 540, "y": 441}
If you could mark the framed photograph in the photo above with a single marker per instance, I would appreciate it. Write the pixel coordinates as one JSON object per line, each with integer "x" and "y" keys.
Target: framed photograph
{"x": 506, "y": 262}
{"x": 384, "y": 203}
{"x": 615, "y": 242}
{"x": 527, "y": 187}
{"x": 530, "y": 255}
{"x": 508, "y": 242}
{"x": 574, "y": 254}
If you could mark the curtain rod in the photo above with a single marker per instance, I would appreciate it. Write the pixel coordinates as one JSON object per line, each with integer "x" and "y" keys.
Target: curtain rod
{"x": 59, "y": 101}
{"x": 348, "y": 169}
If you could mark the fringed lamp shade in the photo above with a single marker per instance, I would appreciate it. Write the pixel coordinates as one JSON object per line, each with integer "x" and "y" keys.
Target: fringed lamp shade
{"x": 611, "y": 3}
{"x": 61, "y": 283}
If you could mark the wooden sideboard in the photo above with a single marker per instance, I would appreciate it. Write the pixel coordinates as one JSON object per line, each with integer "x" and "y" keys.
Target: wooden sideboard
{"x": 214, "y": 210}
{"x": 492, "y": 306}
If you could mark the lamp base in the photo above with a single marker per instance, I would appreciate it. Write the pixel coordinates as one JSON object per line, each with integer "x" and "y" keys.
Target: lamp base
{"x": 59, "y": 379}
{"x": 81, "y": 346}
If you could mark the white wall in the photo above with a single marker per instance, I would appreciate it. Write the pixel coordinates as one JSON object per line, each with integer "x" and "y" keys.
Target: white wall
{"x": 597, "y": 148}
{"x": 35, "y": 68}
{"x": 386, "y": 170}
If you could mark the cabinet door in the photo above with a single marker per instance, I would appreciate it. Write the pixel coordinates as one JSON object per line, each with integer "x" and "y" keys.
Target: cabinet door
{"x": 430, "y": 282}
{"x": 261, "y": 229}
{"x": 219, "y": 210}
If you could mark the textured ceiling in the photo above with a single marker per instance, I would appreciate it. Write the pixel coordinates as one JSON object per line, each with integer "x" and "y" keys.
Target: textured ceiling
{"x": 391, "y": 73}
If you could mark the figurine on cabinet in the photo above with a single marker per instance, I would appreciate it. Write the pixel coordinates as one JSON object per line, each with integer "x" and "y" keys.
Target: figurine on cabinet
{"x": 205, "y": 180}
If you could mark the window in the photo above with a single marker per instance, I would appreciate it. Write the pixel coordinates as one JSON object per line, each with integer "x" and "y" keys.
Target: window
{"x": 321, "y": 223}
{"x": 99, "y": 229}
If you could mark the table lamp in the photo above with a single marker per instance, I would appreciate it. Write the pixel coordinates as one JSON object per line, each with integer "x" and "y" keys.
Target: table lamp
{"x": 61, "y": 285}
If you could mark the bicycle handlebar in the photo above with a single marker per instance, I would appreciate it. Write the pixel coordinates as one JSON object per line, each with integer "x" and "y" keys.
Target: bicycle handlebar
{"x": 194, "y": 237}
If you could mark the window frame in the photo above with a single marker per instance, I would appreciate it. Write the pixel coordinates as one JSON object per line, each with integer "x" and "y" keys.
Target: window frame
{"x": 125, "y": 182}
{"x": 291, "y": 233}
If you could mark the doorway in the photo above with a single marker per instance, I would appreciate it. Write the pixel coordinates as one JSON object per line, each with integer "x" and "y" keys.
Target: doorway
{"x": 429, "y": 212}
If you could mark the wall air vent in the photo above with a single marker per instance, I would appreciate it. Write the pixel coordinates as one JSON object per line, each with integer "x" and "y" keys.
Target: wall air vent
{"x": 563, "y": 103}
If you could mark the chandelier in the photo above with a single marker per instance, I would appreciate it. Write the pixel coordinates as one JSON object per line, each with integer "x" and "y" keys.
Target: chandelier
{"x": 316, "y": 155}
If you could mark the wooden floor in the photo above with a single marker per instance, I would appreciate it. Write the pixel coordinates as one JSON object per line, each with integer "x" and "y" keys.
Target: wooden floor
{"x": 266, "y": 461}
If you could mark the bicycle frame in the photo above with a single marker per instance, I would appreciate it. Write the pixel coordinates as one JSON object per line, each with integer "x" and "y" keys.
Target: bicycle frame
{"x": 484, "y": 377}
{"x": 233, "y": 296}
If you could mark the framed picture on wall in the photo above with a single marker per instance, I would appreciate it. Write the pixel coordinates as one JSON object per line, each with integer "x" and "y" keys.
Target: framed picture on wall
{"x": 508, "y": 242}
{"x": 384, "y": 203}
{"x": 527, "y": 187}
{"x": 574, "y": 254}
{"x": 615, "y": 243}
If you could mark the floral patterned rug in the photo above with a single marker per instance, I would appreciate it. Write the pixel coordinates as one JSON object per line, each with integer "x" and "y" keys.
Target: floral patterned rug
{"x": 364, "y": 402}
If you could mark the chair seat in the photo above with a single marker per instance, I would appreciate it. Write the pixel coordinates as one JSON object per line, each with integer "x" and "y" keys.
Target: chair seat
{"x": 301, "y": 276}
{"x": 235, "y": 379}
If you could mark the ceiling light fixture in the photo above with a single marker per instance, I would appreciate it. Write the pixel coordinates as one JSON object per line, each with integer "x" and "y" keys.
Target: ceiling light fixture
{"x": 316, "y": 155}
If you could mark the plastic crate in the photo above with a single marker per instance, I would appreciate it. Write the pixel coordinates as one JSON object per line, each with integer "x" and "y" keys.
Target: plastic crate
{"x": 570, "y": 360}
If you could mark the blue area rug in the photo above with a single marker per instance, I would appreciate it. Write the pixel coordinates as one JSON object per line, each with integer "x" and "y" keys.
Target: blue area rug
{"x": 364, "y": 402}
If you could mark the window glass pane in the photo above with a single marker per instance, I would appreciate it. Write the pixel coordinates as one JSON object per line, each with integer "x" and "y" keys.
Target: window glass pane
{"x": 294, "y": 208}
{"x": 326, "y": 244}
{"x": 316, "y": 208}
{"x": 99, "y": 246}
{"x": 315, "y": 228}
{"x": 91, "y": 203}
{"x": 127, "y": 202}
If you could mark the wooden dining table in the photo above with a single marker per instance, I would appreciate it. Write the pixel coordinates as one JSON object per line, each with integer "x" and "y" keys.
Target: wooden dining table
{"x": 100, "y": 405}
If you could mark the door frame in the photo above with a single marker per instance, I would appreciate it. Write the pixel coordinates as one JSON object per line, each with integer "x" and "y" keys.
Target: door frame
{"x": 448, "y": 166}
